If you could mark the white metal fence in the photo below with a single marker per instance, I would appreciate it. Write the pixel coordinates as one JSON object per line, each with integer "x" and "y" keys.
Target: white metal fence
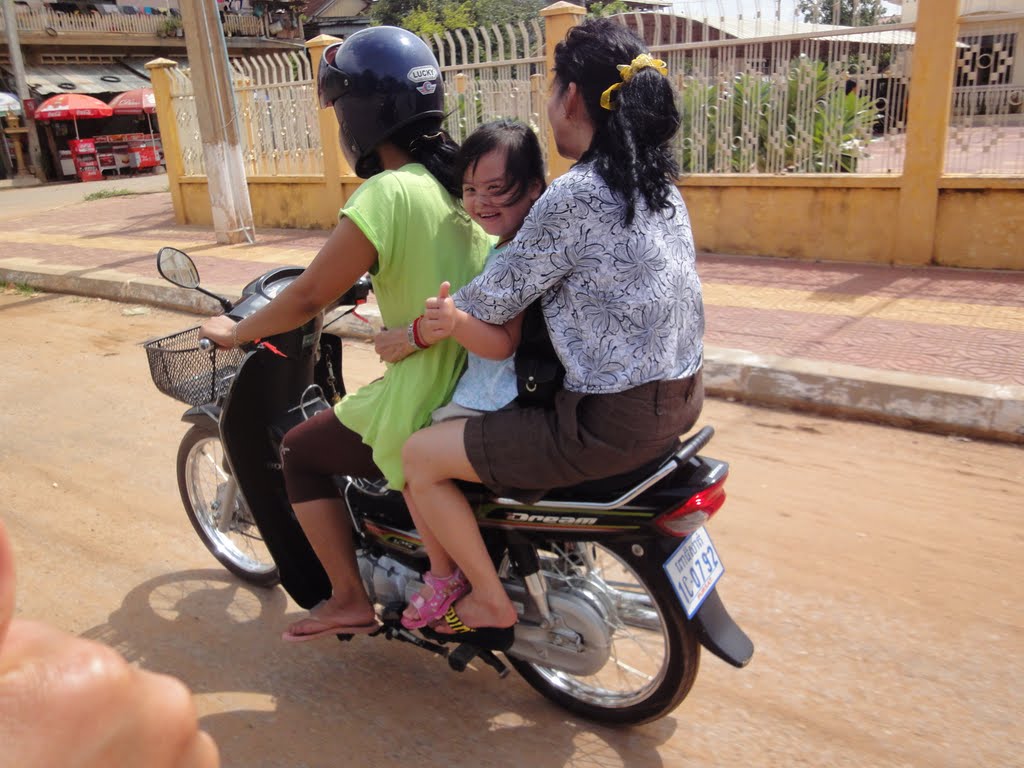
{"x": 46, "y": 20}
{"x": 818, "y": 101}
{"x": 763, "y": 92}
{"x": 186, "y": 120}
{"x": 756, "y": 95}
{"x": 493, "y": 72}
{"x": 54, "y": 22}
{"x": 986, "y": 133}
{"x": 275, "y": 100}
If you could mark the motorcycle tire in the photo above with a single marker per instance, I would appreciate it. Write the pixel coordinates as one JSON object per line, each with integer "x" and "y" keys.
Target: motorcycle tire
{"x": 202, "y": 472}
{"x": 669, "y": 679}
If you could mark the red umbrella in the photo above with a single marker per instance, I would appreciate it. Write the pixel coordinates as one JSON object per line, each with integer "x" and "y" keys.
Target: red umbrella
{"x": 134, "y": 102}
{"x": 72, "y": 106}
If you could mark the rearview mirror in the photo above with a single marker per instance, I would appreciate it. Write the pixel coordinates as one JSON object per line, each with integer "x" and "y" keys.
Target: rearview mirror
{"x": 177, "y": 267}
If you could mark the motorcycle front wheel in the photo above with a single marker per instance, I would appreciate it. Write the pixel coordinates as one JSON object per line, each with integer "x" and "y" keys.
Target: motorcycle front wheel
{"x": 206, "y": 492}
{"x": 655, "y": 652}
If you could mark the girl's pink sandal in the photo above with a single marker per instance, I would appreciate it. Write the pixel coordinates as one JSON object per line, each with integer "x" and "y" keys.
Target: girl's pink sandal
{"x": 444, "y": 592}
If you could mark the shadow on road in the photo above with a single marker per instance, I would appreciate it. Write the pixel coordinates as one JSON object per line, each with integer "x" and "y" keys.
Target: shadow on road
{"x": 366, "y": 702}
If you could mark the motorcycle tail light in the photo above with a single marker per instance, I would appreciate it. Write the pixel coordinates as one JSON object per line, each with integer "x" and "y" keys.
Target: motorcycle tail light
{"x": 694, "y": 512}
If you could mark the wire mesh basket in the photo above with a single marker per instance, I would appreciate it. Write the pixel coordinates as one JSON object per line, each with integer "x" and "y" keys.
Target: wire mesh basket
{"x": 187, "y": 373}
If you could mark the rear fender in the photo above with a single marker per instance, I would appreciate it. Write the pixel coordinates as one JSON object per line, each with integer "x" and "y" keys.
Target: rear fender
{"x": 720, "y": 634}
{"x": 716, "y": 629}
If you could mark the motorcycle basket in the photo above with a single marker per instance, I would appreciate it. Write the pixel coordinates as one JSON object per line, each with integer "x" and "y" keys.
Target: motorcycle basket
{"x": 187, "y": 373}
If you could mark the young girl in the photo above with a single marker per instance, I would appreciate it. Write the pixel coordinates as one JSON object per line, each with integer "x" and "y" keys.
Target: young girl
{"x": 502, "y": 172}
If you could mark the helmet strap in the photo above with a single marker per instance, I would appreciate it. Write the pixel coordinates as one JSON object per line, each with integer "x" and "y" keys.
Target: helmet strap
{"x": 369, "y": 165}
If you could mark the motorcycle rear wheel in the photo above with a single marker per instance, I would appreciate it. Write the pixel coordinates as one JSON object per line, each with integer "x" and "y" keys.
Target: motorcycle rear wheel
{"x": 655, "y": 651}
{"x": 202, "y": 474}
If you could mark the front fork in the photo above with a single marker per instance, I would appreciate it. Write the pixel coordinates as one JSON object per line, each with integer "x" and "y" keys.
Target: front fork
{"x": 227, "y": 494}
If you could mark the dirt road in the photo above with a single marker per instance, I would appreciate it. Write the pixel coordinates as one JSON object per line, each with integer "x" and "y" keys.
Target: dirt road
{"x": 879, "y": 573}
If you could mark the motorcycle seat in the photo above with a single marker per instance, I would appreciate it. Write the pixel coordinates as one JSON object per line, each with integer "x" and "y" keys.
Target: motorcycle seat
{"x": 608, "y": 488}
{"x": 601, "y": 490}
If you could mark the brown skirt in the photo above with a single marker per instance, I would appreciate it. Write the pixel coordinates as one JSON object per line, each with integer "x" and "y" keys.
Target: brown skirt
{"x": 525, "y": 452}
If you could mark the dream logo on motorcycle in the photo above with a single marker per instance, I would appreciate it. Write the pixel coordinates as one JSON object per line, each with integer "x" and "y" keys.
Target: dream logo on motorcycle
{"x": 523, "y": 517}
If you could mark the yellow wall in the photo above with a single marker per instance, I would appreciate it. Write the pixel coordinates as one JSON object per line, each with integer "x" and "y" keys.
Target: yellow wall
{"x": 793, "y": 218}
{"x": 979, "y": 222}
{"x": 981, "y": 226}
{"x": 278, "y": 202}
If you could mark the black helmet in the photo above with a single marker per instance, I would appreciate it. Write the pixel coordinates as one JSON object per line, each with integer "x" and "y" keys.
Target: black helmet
{"x": 379, "y": 80}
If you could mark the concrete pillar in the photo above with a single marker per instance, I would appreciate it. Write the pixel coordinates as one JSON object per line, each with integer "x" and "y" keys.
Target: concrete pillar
{"x": 35, "y": 154}
{"x": 160, "y": 77}
{"x": 218, "y": 126}
{"x": 559, "y": 18}
{"x": 335, "y": 164}
{"x": 932, "y": 77}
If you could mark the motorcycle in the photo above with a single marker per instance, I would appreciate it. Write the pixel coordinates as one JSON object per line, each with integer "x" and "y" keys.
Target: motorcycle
{"x": 614, "y": 581}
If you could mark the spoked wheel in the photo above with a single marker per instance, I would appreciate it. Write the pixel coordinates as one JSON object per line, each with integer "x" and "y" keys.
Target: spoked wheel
{"x": 209, "y": 493}
{"x": 654, "y": 650}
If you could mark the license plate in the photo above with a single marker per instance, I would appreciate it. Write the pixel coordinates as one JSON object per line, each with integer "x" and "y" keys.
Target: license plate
{"x": 694, "y": 569}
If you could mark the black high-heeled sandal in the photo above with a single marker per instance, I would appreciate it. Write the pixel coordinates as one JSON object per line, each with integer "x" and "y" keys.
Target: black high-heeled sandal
{"x": 487, "y": 638}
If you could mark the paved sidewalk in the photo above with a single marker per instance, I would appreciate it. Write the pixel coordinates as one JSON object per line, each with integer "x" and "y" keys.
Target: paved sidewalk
{"x": 935, "y": 349}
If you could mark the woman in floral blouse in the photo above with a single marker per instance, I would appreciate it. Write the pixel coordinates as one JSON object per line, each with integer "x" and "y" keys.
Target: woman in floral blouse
{"x": 609, "y": 253}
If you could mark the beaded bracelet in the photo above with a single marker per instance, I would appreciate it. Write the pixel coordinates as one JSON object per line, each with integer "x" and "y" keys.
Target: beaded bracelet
{"x": 416, "y": 338}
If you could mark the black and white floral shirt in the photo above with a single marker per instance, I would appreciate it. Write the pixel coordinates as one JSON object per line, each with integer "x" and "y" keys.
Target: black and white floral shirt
{"x": 623, "y": 304}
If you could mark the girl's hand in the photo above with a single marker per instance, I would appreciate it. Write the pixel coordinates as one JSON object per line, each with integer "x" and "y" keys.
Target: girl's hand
{"x": 220, "y": 330}
{"x": 393, "y": 345}
{"x": 440, "y": 317}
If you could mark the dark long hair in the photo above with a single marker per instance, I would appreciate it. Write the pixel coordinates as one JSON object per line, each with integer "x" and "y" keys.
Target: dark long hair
{"x": 630, "y": 147}
{"x": 428, "y": 144}
{"x": 524, "y": 161}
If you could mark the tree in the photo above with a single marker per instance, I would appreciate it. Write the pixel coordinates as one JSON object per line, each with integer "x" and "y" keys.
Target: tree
{"x": 607, "y": 9}
{"x": 392, "y": 12}
{"x": 507, "y": 11}
{"x": 425, "y": 17}
{"x": 852, "y": 13}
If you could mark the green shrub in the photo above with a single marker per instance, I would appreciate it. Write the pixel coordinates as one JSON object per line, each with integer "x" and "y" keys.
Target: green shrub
{"x": 803, "y": 123}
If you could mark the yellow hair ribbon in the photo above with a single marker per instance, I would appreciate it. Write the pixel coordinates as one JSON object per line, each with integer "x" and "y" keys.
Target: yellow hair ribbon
{"x": 643, "y": 61}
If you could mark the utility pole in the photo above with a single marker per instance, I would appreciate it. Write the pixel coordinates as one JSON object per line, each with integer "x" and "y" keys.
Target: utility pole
{"x": 35, "y": 155}
{"x": 218, "y": 123}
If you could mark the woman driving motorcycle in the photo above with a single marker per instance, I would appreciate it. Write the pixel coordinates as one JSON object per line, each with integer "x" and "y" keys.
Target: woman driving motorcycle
{"x": 405, "y": 227}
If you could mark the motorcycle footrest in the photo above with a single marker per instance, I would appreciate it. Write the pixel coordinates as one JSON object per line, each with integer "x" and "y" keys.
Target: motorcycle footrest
{"x": 459, "y": 659}
{"x": 345, "y": 637}
{"x": 400, "y": 633}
